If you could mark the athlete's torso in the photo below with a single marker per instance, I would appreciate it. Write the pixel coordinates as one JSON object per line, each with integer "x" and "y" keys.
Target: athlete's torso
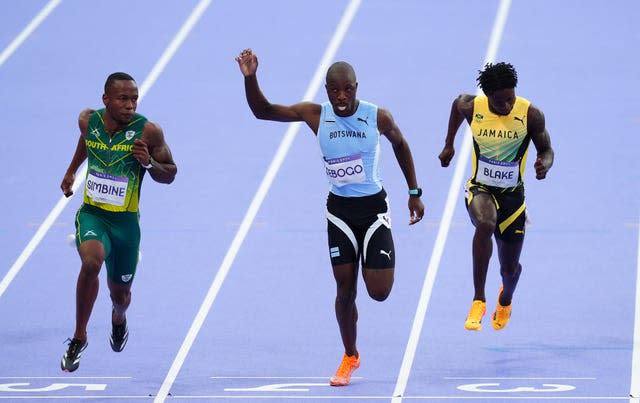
{"x": 500, "y": 144}
{"x": 114, "y": 176}
{"x": 350, "y": 148}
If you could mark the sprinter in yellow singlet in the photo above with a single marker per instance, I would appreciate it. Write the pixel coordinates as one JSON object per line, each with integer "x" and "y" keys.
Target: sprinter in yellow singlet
{"x": 502, "y": 125}
{"x": 120, "y": 146}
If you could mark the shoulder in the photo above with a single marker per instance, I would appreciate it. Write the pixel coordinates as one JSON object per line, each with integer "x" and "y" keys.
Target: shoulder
{"x": 85, "y": 114}
{"x": 535, "y": 118}
{"x": 535, "y": 113}
{"x": 152, "y": 129}
{"x": 385, "y": 121}
{"x": 465, "y": 101}
{"x": 464, "y": 104}
{"x": 83, "y": 118}
{"x": 384, "y": 117}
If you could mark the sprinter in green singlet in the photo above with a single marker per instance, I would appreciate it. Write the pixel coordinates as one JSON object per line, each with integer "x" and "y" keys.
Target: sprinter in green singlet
{"x": 502, "y": 125}
{"x": 120, "y": 146}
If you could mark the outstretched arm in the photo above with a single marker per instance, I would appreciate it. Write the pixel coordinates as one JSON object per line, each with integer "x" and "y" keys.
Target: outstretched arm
{"x": 152, "y": 149}
{"x": 542, "y": 141}
{"x": 262, "y": 109}
{"x": 388, "y": 128}
{"x": 78, "y": 156}
{"x": 461, "y": 109}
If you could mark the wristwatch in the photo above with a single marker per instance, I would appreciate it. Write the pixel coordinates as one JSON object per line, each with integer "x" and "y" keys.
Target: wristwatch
{"x": 417, "y": 192}
{"x": 150, "y": 164}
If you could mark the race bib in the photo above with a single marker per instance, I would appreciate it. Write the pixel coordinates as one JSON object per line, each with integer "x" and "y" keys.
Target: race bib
{"x": 105, "y": 188}
{"x": 344, "y": 170}
{"x": 497, "y": 173}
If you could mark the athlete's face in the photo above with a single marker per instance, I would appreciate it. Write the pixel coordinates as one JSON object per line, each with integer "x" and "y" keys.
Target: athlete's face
{"x": 121, "y": 100}
{"x": 501, "y": 101}
{"x": 341, "y": 90}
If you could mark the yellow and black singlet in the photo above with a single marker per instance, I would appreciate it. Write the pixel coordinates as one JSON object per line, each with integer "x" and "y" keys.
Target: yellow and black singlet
{"x": 500, "y": 144}
{"x": 114, "y": 176}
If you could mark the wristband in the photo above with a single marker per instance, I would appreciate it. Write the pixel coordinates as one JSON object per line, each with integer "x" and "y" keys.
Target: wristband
{"x": 417, "y": 192}
{"x": 150, "y": 164}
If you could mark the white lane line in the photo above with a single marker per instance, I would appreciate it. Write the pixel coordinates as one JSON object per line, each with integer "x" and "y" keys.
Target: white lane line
{"x": 445, "y": 223}
{"x": 80, "y": 175}
{"x": 28, "y": 30}
{"x": 258, "y": 198}
{"x": 297, "y": 398}
{"x": 635, "y": 360}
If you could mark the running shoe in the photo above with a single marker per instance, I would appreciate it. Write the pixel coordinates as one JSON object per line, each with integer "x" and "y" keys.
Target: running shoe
{"x": 119, "y": 336}
{"x": 342, "y": 376}
{"x": 474, "y": 319}
{"x": 501, "y": 315}
{"x": 71, "y": 358}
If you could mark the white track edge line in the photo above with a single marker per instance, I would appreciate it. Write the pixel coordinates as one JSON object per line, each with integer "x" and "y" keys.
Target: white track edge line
{"x": 28, "y": 30}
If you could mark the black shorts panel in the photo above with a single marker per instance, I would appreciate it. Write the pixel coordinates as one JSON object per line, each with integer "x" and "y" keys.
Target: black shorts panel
{"x": 359, "y": 229}
{"x": 511, "y": 208}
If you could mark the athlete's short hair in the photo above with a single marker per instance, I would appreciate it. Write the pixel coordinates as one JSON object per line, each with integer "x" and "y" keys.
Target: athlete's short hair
{"x": 113, "y": 77}
{"x": 340, "y": 67}
{"x": 496, "y": 77}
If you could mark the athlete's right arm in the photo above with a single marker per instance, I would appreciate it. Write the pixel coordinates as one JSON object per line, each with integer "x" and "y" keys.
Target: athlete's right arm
{"x": 461, "y": 109}
{"x": 263, "y": 109}
{"x": 78, "y": 156}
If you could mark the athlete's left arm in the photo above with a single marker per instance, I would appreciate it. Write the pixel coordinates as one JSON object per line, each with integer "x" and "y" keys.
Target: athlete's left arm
{"x": 387, "y": 126}
{"x": 542, "y": 141}
{"x": 152, "y": 149}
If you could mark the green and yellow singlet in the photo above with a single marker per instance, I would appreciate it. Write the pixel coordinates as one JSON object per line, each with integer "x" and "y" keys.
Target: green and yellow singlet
{"x": 500, "y": 144}
{"x": 114, "y": 176}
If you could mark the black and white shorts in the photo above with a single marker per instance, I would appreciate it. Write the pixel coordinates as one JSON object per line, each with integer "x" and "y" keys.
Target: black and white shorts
{"x": 359, "y": 228}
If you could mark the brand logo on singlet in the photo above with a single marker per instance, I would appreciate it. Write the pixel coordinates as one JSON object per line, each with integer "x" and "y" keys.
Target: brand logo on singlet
{"x": 90, "y": 233}
{"x": 364, "y": 120}
{"x": 521, "y": 120}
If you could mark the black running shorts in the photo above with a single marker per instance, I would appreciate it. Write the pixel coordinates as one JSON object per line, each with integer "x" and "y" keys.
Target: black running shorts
{"x": 359, "y": 228}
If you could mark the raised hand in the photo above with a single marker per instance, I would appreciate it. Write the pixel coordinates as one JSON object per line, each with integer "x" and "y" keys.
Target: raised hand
{"x": 248, "y": 62}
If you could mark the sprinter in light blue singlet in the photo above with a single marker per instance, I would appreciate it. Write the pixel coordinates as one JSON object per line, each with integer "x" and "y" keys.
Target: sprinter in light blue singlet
{"x": 358, "y": 223}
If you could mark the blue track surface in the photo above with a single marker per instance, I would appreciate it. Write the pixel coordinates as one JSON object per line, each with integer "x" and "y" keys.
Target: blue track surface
{"x": 266, "y": 330}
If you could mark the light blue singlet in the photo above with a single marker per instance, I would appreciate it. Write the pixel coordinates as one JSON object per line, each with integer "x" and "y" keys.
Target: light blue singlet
{"x": 350, "y": 150}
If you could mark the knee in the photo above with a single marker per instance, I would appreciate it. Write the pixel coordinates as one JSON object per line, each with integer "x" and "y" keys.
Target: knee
{"x": 90, "y": 266}
{"x": 346, "y": 296}
{"x": 121, "y": 297}
{"x": 511, "y": 270}
{"x": 379, "y": 292}
{"x": 485, "y": 226}
{"x": 379, "y": 295}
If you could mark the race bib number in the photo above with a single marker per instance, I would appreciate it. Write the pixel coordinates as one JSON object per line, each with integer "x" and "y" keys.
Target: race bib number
{"x": 497, "y": 173}
{"x": 344, "y": 170}
{"x": 105, "y": 188}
